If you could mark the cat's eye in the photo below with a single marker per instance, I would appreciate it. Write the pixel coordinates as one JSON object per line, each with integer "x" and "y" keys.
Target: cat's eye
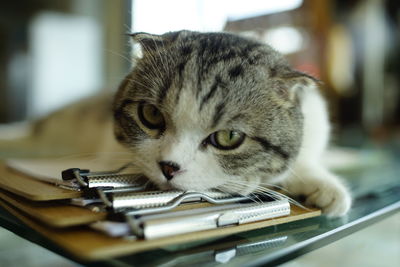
{"x": 150, "y": 116}
{"x": 226, "y": 139}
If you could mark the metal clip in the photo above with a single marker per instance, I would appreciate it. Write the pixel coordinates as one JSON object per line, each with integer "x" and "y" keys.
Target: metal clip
{"x": 165, "y": 201}
{"x": 185, "y": 221}
{"x": 254, "y": 213}
{"x": 107, "y": 179}
{"x": 140, "y": 203}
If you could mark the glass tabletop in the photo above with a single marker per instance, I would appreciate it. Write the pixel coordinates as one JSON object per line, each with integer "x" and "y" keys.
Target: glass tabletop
{"x": 376, "y": 189}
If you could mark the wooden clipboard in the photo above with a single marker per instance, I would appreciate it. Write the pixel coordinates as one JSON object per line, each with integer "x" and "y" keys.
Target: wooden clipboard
{"x": 32, "y": 189}
{"x": 93, "y": 245}
{"x": 36, "y": 206}
{"x": 51, "y": 213}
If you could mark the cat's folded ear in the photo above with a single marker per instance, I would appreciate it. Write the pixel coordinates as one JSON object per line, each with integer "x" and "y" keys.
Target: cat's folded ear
{"x": 294, "y": 85}
{"x": 146, "y": 42}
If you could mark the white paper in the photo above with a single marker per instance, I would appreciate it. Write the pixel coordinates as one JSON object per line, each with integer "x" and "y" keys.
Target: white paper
{"x": 114, "y": 229}
{"x": 49, "y": 170}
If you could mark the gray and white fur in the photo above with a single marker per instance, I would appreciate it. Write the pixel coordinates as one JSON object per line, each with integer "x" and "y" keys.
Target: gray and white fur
{"x": 199, "y": 89}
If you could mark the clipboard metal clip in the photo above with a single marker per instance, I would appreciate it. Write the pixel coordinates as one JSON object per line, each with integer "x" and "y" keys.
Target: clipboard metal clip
{"x": 156, "y": 214}
{"x": 106, "y": 179}
{"x": 160, "y": 225}
{"x": 140, "y": 203}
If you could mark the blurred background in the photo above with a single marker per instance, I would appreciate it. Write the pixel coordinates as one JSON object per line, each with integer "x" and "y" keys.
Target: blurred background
{"x": 55, "y": 52}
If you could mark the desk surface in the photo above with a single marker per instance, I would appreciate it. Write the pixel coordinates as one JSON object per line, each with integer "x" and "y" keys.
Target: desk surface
{"x": 376, "y": 189}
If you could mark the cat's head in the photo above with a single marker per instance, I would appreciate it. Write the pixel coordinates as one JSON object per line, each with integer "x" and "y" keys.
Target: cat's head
{"x": 210, "y": 110}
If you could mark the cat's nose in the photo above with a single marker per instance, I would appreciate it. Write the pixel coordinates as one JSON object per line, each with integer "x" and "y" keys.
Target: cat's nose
{"x": 169, "y": 169}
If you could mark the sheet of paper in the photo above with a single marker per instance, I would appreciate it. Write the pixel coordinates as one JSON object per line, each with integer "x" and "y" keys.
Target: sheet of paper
{"x": 49, "y": 170}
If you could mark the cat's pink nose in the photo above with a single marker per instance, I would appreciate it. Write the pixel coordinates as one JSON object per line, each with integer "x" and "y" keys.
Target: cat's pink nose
{"x": 169, "y": 169}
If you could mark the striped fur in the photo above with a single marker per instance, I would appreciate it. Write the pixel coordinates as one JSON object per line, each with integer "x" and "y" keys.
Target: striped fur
{"x": 202, "y": 83}
{"x": 207, "y": 82}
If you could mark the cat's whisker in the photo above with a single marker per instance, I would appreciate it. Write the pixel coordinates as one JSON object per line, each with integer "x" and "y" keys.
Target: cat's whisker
{"x": 255, "y": 195}
{"x": 275, "y": 186}
{"x": 120, "y": 55}
{"x": 128, "y": 27}
{"x": 269, "y": 192}
{"x": 237, "y": 188}
{"x": 291, "y": 200}
{"x": 295, "y": 175}
{"x": 232, "y": 188}
{"x": 256, "y": 198}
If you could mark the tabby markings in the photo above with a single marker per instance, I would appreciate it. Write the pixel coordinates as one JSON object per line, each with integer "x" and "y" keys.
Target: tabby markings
{"x": 236, "y": 71}
{"x": 219, "y": 112}
{"x": 212, "y": 91}
{"x": 268, "y": 146}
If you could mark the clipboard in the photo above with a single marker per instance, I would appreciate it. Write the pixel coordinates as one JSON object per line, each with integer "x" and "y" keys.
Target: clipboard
{"x": 93, "y": 245}
{"x": 37, "y": 204}
{"x": 53, "y": 214}
{"x": 32, "y": 189}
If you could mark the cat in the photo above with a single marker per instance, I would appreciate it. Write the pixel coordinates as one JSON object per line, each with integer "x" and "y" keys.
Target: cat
{"x": 211, "y": 110}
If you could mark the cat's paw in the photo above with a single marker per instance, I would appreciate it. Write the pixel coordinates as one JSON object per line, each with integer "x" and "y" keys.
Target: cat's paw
{"x": 327, "y": 193}
{"x": 333, "y": 199}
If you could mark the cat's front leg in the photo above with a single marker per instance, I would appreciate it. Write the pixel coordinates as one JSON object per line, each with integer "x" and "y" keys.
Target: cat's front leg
{"x": 320, "y": 187}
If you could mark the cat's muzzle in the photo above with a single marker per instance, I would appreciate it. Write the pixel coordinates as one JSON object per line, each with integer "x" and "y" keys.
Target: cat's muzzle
{"x": 169, "y": 169}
